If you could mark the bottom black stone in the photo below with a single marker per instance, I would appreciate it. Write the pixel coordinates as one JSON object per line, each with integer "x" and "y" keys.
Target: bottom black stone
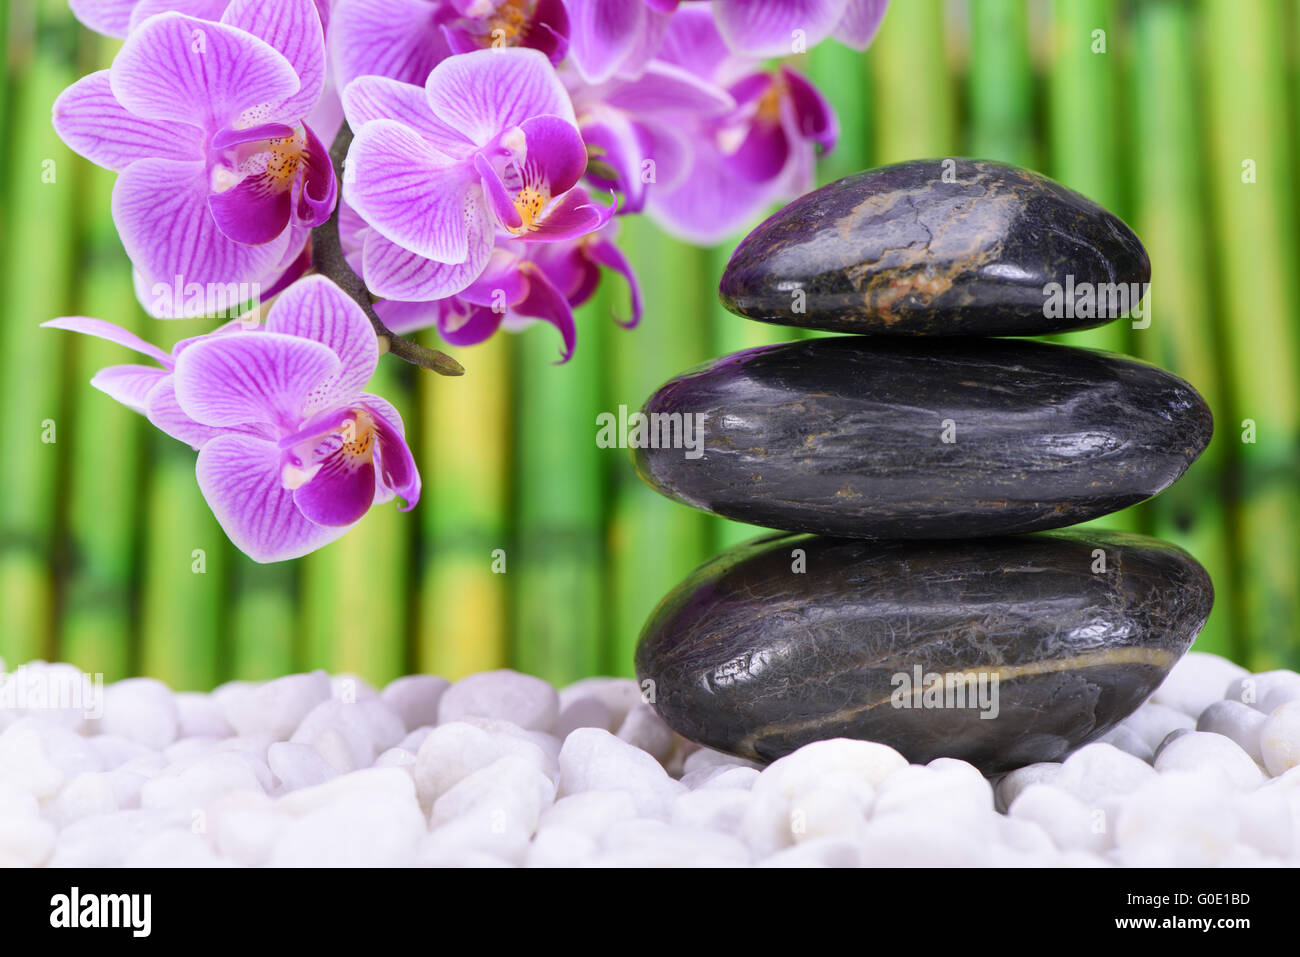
{"x": 1001, "y": 652}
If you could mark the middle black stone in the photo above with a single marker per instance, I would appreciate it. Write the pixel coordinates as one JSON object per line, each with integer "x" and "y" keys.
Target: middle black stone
{"x": 877, "y": 438}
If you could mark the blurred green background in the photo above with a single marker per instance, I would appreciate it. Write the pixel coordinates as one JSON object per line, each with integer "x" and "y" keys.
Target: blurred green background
{"x": 1181, "y": 116}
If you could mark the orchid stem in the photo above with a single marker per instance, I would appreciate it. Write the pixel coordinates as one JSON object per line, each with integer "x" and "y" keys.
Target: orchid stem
{"x": 328, "y": 260}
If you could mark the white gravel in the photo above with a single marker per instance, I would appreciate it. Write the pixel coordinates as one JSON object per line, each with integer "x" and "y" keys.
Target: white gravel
{"x": 501, "y": 769}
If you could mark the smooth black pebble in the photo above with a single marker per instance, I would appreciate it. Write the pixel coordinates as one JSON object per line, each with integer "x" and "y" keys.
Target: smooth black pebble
{"x": 794, "y": 638}
{"x": 939, "y": 247}
{"x": 886, "y": 438}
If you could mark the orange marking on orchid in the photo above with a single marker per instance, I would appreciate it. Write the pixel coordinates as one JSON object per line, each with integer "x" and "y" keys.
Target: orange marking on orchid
{"x": 529, "y": 202}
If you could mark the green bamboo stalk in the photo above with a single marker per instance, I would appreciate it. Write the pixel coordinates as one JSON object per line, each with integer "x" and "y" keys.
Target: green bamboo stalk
{"x": 1181, "y": 335}
{"x": 104, "y": 464}
{"x": 263, "y": 633}
{"x": 557, "y": 564}
{"x": 183, "y": 583}
{"x": 465, "y": 439}
{"x": 654, "y": 542}
{"x": 36, "y": 268}
{"x": 1001, "y": 83}
{"x": 104, "y": 459}
{"x": 1245, "y": 91}
{"x": 356, "y": 590}
{"x": 914, "y": 98}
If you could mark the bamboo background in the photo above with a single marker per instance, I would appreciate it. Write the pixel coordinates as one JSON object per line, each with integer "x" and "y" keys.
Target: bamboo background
{"x": 110, "y": 559}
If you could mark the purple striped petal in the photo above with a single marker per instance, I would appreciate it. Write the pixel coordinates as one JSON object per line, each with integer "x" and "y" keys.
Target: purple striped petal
{"x": 605, "y": 253}
{"x": 256, "y": 377}
{"x": 768, "y": 28}
{"x": 574, "y": 215}
{"x": 179, "y": 69}
{"x": 228, "y": 137}
{"x": 812, "y": 113}
{"x": 90, "y": 120}
{"x": 857, "y": 28}
{"x": 394, "y": 272}
{"x": 293, "y": 28}
{"x": 409, "y": 193}
{"x": 129, "y": 384}
{"x": 239, "y": 476}
{"x": 548, "y": 304}
{"x": 160, "y": 208}
{"x": 710, "y": 203}
{"x": 667, "y": 87}
{"x": 461, "y": 324}
{"x": 201, "y": 9}
{"x": 397, "y": 470}
{"x": 381, "y": 98}
{"x": 694, "y": 43}
{"x": 556, "y": 155}
{"x": 403, "y": 317}
{"x": 109, "y": 17}
{"x": 250, "y": 212}
{"x": 486, "y": 92}
{"x": 316, "y": 189}
{"x": 343, "y": 488}
{"x": 165, "y": 414}
{"x": 315, "y": 308}
{"x": 603, "y": 34}
{"x": 394, "y": 38}
{"x": 102, "y": 329}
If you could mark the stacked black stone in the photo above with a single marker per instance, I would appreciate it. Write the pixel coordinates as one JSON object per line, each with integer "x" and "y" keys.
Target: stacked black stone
{"x": 902, "y": 602}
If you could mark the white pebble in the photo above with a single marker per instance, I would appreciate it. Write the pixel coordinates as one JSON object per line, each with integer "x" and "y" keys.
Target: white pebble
{"x": 340, "y": 732}
{"x": 200, "y": 716}
{"x": 595, "y": 760}
{"x": 1152, "y": 723}
{"x": 1179, "y": 819}
{"x": 276, "y": 707}
{"x": 396, "y": 758}
{"x": 708, "y": 758}
{"x": 864, "y": 763}
{"x": 1279, "y": 739}
{"x": 1012, "y": 783}
{"x": 1196, "y": 681}
{"x": 141, "y": 709}
{"x": 522, "y": 699}
{"x": 646, "y": 843}
{"x": 720, "y": 809}
{"x": 91, "y": 792}
{"x": 414, "y": 698}
{"x": 822, "y": 852}
{"x": 454, "y": 751}
{"x": 589, "y": 813}
{"x": 511, "y": 790}
{"x": 588, "y": 712}
{"x": 1237, "y": 721}
{"x": 1254, "y": 689}
{"x": 1071, "y": 824}
{"x": 1128, "y": 741}
{"x": 644, "y": 729}
{"x": 299, "y": 765}
{"x": 190, "y": 785}
{"x": 355, "y": 829}
{"x": 1203, "y": 751}
{"x": 618, "y": 695}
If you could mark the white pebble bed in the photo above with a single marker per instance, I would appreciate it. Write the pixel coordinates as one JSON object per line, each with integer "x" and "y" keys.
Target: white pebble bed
{"x": 500, "y": 769}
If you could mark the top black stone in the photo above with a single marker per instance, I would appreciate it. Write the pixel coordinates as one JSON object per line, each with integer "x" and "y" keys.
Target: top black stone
{"x": 939, "y": 248}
